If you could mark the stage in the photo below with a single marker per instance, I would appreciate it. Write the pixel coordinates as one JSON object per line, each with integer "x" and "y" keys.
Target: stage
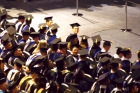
{"x": 106, "y": 20}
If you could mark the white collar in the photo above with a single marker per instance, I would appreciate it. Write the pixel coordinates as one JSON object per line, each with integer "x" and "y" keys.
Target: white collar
{"x": 116, "y": 56}
{"x": 123, "y": 58}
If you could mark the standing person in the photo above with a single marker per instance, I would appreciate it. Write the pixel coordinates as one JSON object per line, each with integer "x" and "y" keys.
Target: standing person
{"x": 49, "y": 22}
{"x": 3, "y": 17}
{"x": 42, "y": 30}
{"x": 118, "y": 53}
{"x": 126, "y": 59}
{"x": 52, "y": 36}
{"x": 20, "y": 22}
{"x": 75, "y": 30}
{"x": 95, "y": 48}
{"x": 28, "y": 21}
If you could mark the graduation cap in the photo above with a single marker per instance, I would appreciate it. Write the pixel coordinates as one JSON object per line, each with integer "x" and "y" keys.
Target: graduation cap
{"x": 10, "y": 24}
{"x": 2, "y": 77}
{"x": 34, "y": 34}
{"x": 102, "y": 77}
{"x": 60, "y": 60}
{"x": 115, "y": 60}
{"x": 75, "y": 25}
{"x": 55, "y": 41}
{"x": 119, "y": 80}
{"x": 31, "y": 47}
{"x": 54, "y": 27}
{"x": 83, "y": 52}
{"x": 107, "y": 43}
{"x": 135, "y": 67}
{"x": 12, "y": 85}
{"x": 11, "y": 30}
{"x": 125, "y": 49}
{"x": 135, "y": 75}
{"x": 104, "y": 60}
{"x": 62, "y": 45}
{"x": 5, "y": 39}
{"x": 42, "y": 25}
{"x": 96, "y": 39}
{"x": 21, "y": 15}
{"x": 48, "y": 18}
{"x": 25, "y": 32}
{"x": 3, "y": 12}
{"x": 29, "y": 17}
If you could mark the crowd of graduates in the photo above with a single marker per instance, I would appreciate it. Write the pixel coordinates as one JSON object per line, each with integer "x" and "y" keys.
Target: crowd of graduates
{"x": 40, "y": 62}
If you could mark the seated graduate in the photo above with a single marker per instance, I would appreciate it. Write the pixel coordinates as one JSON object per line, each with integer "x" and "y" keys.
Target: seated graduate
{"x": 6, "y": 52}
{"x": 73, "y": 57}
{"x": 52, "y": 36}
{"x": 42, "y": 31}
{"x": 20, "y": 22}
{"x": 105, "y": 66}
{"x": 61, "y": 68}
{"x": 95, "y": 48}
{"x": 125, "y": 60}
{"x": 75, "y": 30}
{"x": 119, "y": 86}
{"x": 78, "y": 78}
{"x": 53, "y": 49}
{"x": 137, "y": 62}
{"x": 84, "y": 42}
{"x": 62, "y": 50}
{"x": 102, "y": 85}
{"x": 115, "y": 72}
{"x": 31, "y": 45}
{"x": 54, "y": 87}
{"x": 28, "y": 22}
{"x": 23, "y": 41}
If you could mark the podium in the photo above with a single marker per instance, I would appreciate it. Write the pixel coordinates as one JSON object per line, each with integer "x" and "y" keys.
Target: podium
{"x": 77, "y": 7}
{"x": 126, "y": 28}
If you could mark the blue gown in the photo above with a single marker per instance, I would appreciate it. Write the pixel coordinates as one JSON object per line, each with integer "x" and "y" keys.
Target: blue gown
{"x": 51, "y": 38}
{"x": 137, "y": 63}
{"x": 126, "y": 66}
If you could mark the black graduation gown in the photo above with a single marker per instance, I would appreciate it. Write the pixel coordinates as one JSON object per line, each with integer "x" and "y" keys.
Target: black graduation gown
{"x": 72, "y": 58}
{"x": 126, "y": 65}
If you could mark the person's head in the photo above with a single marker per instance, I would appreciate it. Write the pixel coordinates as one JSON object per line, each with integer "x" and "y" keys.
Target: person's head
{"x": 17, "y": 52}
{"x": 133, "y": 88}
{"x": 35, "y": 36}
{"x": 107, "y": 45}
{"x": 63, "y": 47}
{"x": 21, "y": 18}
{"x": 42, "y": 45}
{"x": 49, "y": 21}
{"x": 75, "y": 27}
{"x": 114, "y": 62}
{"x": 127, "y": 53}
{"x": 29, "y": 19}
{"x": 18, "y": 64}
{"x": 119, "y": 52}
{"x": 25, "y": 35}
{"x": 74, "y": 50}
{"x": 7, "y": 44}
{"x": 105, "y": 62}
